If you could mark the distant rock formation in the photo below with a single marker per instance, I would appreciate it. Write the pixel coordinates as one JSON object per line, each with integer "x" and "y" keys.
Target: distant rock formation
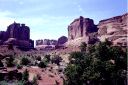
{"x": 62, "y": 40}
{"x": 114, "y": 29}
{"x": 18, "y": 35}
{"x": 47, "y": 44}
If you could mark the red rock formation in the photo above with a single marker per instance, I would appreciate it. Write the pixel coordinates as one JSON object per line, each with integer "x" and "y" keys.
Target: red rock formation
{"x": 46, "y": 42}
{"x": 62, "y": 40}
{"x": 81, "y": 30}
{"x": 81, "y": 27}
{"x": 114, "y": 29}
{"x": 17, "y": 34}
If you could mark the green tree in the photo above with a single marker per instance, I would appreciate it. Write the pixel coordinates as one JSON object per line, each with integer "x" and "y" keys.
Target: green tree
{"x": 103, "y": 64}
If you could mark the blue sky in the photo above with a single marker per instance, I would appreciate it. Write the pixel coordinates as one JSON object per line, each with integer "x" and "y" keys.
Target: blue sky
{"x": 50, "y": 18}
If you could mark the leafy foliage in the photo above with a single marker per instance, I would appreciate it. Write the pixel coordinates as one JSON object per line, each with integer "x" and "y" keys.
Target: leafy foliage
{"x": 25, "y": 61}
{"x": 56, "y": 59}
{"x": 10, "y": 61}
{"x": 101, "y": 64}
{"x": 42, "y": 64}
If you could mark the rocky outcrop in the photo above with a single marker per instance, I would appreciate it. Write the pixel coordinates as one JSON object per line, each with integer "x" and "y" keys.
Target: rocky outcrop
{"x": 18, "y": 35}
{"x": 81, "y": 27}
{"x": 114, "y": 29}
{"x": 81, "y": 30}
{"x": 47, "y": 44}
{"x": 62, "y": 40}
{"x": 18, "y": 31}
{"x": 84, "y": 30}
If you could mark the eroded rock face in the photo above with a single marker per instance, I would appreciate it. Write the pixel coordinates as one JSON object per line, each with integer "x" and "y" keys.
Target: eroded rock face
{"x": 18, "y": 31}
{"x": 84, "y": 30}
{"x": 17, "y": 34}
{"x": 46, "y": 44}
{"x": 81, "y": 27}
{"x": 81, "y": 30}
{"x": 114, "y": 29}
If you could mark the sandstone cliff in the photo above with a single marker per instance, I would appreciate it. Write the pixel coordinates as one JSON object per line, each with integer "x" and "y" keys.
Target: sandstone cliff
{"x": 84, "y": 30}
{"x": 81, "y": 30}
{"x": 81, "y": 27}
{"x": 114, "y": 29}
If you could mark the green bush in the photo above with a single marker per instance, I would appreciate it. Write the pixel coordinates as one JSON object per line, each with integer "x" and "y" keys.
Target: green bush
{"x": 10, "y": 61}
{"x": 38, "y": 58}
{"x": 25, "y": 75}
{"x": 101, "y": 64}
{"x": 56, "y": 59}
{"x": 25, "y": 61}
{"x": 42, "y": 64}
{"x": 19, "y": 66}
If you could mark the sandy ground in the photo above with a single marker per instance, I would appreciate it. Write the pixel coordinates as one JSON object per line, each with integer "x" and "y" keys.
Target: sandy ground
{"x": 47, "y": 77}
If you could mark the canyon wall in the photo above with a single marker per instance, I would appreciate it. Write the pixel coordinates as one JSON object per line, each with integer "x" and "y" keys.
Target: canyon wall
{"x": 81, "y": 30}
{"x": 81, "y": 27}
{"x": 84, "y": 30}
{"x": 114, "y": 29}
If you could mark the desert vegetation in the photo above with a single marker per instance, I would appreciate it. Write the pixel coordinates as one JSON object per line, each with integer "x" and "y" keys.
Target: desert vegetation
{"x": 100, "y": 64}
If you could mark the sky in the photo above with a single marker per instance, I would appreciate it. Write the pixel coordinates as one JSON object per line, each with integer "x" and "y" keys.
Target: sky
{"x": 49, "y": 19}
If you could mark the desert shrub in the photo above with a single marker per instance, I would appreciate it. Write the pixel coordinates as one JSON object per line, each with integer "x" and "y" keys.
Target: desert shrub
{"x": 42, "y": 64}
{"x": 38, "y": 58}
{"x": 56, "y": 59}
{"x": 19, "y": 66}
{"x": 103, "y": 64}
{"x": 25, "y": 75}
{"x": 10, "y": 61}
{"x": 25, "y": 61}
{"x": 47, "y": 57}
{"x": 20, "y": 83}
